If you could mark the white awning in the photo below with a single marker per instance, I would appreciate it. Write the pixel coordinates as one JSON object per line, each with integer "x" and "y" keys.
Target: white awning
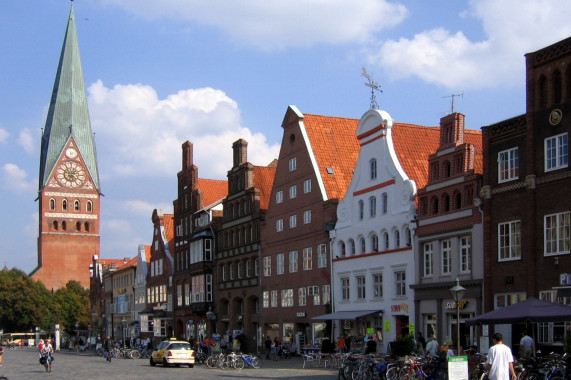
{"x": 345, "y": 315}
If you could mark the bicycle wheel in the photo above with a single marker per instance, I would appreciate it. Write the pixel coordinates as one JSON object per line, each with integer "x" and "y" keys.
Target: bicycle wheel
{"x": 405, "y": 372}
{"x": 391, "y": 373}
{"x": 134, "y": 354}
{"x": 255, "y": 362}
{"x": 211, "y": 362}
{"x": 238, "y": 363}
{"x": 360, "y": 373}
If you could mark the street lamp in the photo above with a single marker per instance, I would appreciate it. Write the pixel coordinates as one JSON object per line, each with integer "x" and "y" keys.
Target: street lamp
{"x": 76, "y": 333}
{"x": 123, "y": 323}
{"x": 457, "y": 293}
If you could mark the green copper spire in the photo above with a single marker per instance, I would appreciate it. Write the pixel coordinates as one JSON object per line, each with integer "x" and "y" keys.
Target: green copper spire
{"x": 68, "y": 115}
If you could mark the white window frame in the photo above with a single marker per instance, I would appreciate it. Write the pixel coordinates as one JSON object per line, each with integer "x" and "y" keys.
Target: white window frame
{"x": 302, "y": 296}
{"x": 279, "y": 196}
{"x": 307, "y": 258}
{"x": 307, "y": 217}
{"x": 361, "y": 209}
{"x": 287, "y": 297}
{"x": 556, "y": 239}
{"x": 292, "y": 164}
{"x": 509, "y": 240}
{"x": 508, "y": 165}
{"x": 267, "y": 266}
{"x": 307, "y": 186}
{"x": 292, "y": 221}
{"x": 465, "y": 254}
{"x": 428, "y": 260}
{"x": 400, "y": 282}
{"x": 345, "y": 289}
{"x": 361, "y": 287}
{"x": 446, "y": 256}
{"x": 377, "y": 285}
{"x": 373, "y": 168}
{"x": 279, "y": 225}
{"x": 372, "y": 207}
{"x": 293, "y": 261}
{"x": 293, "y": 192}
{"x": 556, "y": 152}
{"x": 274, "y": 298}
{"x": 326, "y": 294}
{"x": 280, "y": 263}
{"x": 322, "y": 256}
{"x": 266, "y": 299}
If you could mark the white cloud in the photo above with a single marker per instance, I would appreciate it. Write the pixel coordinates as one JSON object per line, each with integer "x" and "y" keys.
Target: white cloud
{"x": 27, "y": 141}
{"x": 447, "y": 58}
{"x": 3, "y": 135}
{"x": 140, "y": 135}
{"x": 279, "y": 24}
{"x": 14, "y": 179}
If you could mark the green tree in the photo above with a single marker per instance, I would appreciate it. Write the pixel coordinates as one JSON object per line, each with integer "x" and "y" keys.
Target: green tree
{"x": 72, "y": 306}
{"x": 22, "y": 301}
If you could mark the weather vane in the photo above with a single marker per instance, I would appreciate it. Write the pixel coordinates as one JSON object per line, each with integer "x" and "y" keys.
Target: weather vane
{"x": 453, "y": 96}
{"x": 374, "y": 86}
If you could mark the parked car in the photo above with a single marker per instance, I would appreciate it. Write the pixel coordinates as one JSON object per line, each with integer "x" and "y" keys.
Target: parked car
{"x": 173, "y": 352}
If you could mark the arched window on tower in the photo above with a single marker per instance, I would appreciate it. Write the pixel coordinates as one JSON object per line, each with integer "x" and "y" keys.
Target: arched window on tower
{"x": 86, "y": 226}
{"x": 363, "y": 246}
{"x": 55, "y": 225}
{"x": 343, "y": 253}
{"x": 446, "y": 201}
{"x": 89, "y": 206}
{"x": 78, "y": 226}
{"x": 76, "y": 205}
{"x": 52, "y": 204}
{"x": 64, "y": 205}
{"x": 434, "y": 204}
{"x": 386, "y": 241}
{"x": 64, "y": 225}
{"x": 458, "y": 200}
{"x": 446, "y": 169}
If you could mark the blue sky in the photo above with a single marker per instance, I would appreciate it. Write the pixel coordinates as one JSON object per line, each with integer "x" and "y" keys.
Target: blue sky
{"x": 158, "y": 73}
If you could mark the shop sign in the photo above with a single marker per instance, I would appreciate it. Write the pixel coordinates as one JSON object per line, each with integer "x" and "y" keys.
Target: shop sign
{"x": 160, "y": 307}
{"x": 452, "y": 305}
{"x": 403, "y": 307}
{"x": 301, "y": 314}
{"x": 387, "y": 325}
{"x": 565, "y": 279}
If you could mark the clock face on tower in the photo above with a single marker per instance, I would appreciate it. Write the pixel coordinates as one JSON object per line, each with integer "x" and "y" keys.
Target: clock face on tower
{"x": 70, "y": 174}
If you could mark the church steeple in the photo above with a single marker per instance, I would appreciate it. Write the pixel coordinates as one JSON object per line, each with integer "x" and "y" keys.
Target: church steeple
{"x": 68, "y": 116}
{"x": 69, "y": 191}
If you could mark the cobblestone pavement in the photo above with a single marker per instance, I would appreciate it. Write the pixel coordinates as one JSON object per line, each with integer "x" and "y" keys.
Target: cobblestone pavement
{"x": 22, "y": 363}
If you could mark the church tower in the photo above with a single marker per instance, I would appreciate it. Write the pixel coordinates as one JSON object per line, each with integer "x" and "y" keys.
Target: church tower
{"x": 69, "y": 189}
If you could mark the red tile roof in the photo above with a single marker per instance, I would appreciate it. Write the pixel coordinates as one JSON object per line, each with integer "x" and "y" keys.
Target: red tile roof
{"x": 335, "y": 146}
{"x": 129, "y": 264}
{"x": 264, "y": 181}
{"x": 413, "y": 144}
{"x": 213, "y": 190}
{"x": 168, "y": 221}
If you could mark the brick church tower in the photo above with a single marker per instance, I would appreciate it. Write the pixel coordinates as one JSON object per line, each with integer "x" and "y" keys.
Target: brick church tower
{"x": 69, "y": 189}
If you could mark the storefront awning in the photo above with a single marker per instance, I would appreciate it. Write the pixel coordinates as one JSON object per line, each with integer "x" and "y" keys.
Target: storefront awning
{"x": 345, "y": 315}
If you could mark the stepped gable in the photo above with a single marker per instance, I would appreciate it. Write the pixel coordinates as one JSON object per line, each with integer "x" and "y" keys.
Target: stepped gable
{"x": 335, "y": 146}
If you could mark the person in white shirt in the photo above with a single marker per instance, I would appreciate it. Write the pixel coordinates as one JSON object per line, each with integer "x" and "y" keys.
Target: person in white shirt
{"x": 500, "y": 360}
{"x": 526, "y": 345}
{"x": 432, "y": 346}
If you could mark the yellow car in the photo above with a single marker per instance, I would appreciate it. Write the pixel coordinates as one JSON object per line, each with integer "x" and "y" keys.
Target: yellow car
{"x": 173, "y": 352}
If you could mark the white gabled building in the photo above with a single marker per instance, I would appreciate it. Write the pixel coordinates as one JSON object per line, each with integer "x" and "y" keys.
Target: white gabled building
{"x": 372, "y": 252}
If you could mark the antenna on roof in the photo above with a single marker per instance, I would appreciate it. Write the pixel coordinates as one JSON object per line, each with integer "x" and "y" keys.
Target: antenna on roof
{"x": 452, "y": 96}
{"x": 374, "y": 86}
